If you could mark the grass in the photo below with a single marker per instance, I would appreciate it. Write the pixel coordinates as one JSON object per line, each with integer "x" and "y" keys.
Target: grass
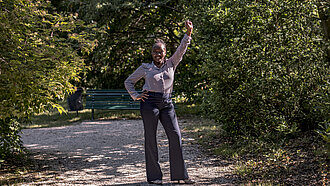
{"x": 53, "y": 118}
{"x": 302, "y": 160}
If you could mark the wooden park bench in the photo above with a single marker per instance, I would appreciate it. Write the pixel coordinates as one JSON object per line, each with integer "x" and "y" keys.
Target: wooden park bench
{"x": 111, "y": 99}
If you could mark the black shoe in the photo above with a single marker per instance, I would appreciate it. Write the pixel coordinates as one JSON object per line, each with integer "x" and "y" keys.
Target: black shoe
{"x": 157, "y": 182}
{"x": 187, "y": 181}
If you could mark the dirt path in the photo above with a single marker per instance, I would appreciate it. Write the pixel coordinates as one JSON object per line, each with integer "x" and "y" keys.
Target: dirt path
{"x": 111, "y": 153}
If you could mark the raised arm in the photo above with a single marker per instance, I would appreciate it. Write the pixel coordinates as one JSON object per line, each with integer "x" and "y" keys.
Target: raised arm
{"x": 189, "y": 27}
{"x": 181, "y": 50}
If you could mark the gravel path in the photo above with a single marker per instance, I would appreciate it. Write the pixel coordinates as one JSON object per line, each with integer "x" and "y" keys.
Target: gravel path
{"x": 112, "y": 153}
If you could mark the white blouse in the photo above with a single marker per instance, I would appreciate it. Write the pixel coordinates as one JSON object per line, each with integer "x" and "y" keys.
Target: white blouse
{"x": 157, "y": 79}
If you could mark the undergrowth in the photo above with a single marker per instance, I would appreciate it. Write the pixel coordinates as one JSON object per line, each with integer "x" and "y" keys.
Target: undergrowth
{"x": 299, "y": 160}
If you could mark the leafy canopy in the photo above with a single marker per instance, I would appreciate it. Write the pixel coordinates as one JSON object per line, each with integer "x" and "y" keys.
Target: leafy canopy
{"x": 41, "y": 55}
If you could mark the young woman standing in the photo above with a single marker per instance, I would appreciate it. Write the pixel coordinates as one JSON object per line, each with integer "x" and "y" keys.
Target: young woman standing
{"x": 156, "y": 105}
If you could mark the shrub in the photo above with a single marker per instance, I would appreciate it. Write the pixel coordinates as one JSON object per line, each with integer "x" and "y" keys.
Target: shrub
{"x": 267, "y": 75}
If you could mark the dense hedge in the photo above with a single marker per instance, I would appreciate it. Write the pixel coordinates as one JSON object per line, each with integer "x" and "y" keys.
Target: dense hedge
{"x": 266, "y": 71}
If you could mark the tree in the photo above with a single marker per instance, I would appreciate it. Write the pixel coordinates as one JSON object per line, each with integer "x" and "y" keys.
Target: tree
{"x": 130, "y": 29}
{"x": 257, "y": 66}
{"x": 41, "y": 55}
{"x": 323, "y": 11}
{"x": 265, "y": 67}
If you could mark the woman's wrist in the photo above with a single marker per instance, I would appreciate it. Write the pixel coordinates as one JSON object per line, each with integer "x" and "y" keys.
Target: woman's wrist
{"x": 189, "y": 27}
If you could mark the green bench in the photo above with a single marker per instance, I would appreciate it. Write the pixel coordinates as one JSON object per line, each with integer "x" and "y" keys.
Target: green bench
{"x": 111, "y": 99}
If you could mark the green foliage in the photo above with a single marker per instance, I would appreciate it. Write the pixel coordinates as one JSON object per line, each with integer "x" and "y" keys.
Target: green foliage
{"x": 266, "y": 72}
{"x": 302, "y": 160}
{"x": 324, "y": 131}
{"x": 258, "y": 67}
{"x": 40, "y": 53}
{"x": 53, "y": 118}
{"x": 10, "y": 140}
{"x": 128, "y": 32}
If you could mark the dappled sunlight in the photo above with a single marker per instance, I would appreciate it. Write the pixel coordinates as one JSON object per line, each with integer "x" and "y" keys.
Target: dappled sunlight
{"x": 79, "y": 153}
{"x": 101, "y": 152}
{"x": 91, "y": 123}
{"x": 132, "y": 170}
{"x": 85, "y": 132}
{"x": 95, "y": 158}
{"x": 74, "y": 119}
{"x": 38, "y": 146}
{"x": 133, "y": 146}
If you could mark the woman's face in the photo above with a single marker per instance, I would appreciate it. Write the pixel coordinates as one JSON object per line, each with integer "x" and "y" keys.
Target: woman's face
{"x": 158, "y": 53}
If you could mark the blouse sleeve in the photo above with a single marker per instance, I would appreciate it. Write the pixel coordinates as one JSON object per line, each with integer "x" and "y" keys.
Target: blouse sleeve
{"x": 180, "y": 51}
{"x": 132, "y": 79}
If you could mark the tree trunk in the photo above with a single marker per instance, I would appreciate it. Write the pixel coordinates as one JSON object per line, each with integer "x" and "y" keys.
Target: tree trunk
{"x": 323, "y": 10}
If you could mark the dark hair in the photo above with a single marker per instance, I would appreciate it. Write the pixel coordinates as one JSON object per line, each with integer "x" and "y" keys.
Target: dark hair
{"x": 159, "y": 41}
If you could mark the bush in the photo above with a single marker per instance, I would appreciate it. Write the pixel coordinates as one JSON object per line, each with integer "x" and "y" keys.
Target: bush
{"x": 10, "y": 140}
{"x": 41, "y": 56}
{"x": 267, "y": 75}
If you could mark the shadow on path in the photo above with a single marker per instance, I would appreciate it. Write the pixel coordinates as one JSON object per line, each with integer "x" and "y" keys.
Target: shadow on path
{"x": 110, "y": 153}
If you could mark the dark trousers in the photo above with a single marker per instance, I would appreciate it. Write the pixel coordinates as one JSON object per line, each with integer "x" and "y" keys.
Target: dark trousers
{"x": 159, "y": 106}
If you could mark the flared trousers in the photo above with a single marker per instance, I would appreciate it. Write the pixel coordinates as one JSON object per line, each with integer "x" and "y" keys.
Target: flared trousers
{"x": 159, "y": 107}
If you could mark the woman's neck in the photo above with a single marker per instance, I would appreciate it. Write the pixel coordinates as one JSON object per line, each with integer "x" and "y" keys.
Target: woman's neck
{"x": 159, "y": 64}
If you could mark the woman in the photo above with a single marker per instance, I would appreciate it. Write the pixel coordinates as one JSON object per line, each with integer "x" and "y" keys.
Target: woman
{"x": 156, "y": 104}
